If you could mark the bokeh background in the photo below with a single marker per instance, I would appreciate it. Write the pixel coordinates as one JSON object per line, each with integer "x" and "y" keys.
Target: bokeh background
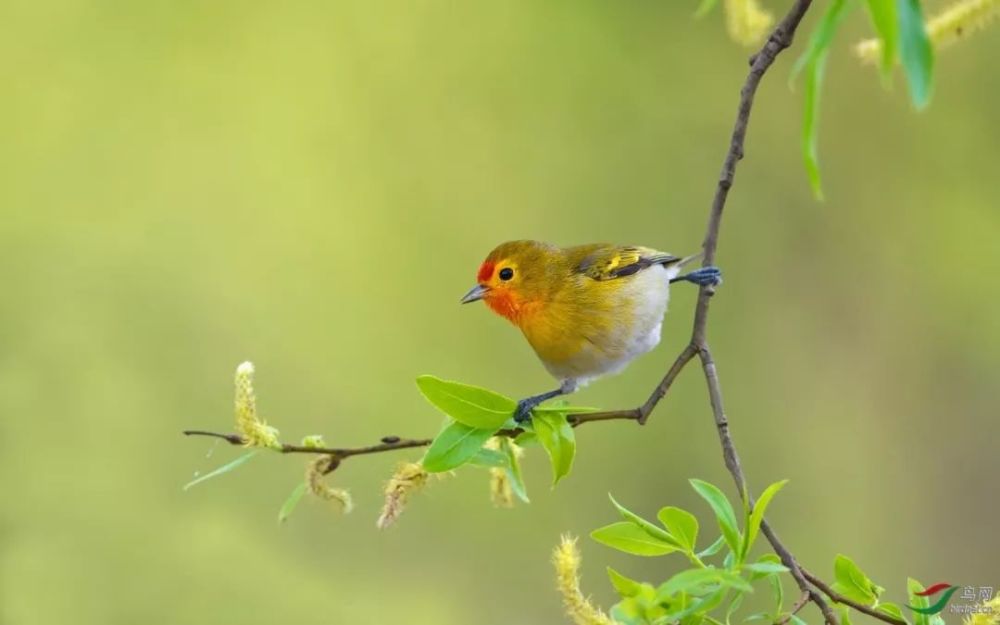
{"x": 312, "y": 185}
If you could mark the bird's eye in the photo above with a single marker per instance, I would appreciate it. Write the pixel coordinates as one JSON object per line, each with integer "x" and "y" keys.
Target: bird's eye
{"x": 506, "y": 273}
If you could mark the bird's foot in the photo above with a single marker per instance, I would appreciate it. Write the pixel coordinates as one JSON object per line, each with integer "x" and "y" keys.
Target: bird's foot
{"x": 524, "y": 407}
{"x": 706, "y": 276}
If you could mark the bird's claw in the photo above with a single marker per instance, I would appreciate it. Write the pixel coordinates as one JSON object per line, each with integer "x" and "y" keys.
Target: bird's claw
{"x": 523, "y": 411}
{"x": 706, "y": 276}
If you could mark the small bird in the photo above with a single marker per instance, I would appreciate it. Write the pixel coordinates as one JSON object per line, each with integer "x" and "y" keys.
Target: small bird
{"x": 587, "y": 310}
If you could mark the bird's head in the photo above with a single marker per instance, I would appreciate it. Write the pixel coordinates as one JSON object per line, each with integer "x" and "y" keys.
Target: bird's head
{"x": 516, "y": 278}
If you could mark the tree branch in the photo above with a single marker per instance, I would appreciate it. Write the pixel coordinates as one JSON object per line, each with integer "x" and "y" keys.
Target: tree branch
{"x": 839, "y": 598}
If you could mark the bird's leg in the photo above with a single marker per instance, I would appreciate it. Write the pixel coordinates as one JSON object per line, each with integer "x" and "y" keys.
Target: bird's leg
{"x": 706, "y": 276}
{"x": 526, "y": 405}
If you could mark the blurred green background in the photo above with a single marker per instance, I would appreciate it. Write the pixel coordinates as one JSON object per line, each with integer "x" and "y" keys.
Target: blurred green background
{"x": 312, "y": 185}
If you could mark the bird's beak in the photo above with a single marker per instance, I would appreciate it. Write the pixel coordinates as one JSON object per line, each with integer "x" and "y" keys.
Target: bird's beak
{"x": 476, "y": 293}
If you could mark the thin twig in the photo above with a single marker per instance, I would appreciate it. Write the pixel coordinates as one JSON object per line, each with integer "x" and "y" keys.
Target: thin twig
{"x": 839, "y": 598}
{"x": 798, "y": 605}
{"x": 389, "y": 443}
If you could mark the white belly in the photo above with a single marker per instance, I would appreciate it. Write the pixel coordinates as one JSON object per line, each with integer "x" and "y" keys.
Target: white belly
{"x": 639, "y": 309}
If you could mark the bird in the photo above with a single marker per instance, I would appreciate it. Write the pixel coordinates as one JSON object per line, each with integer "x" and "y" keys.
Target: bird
{"x": 587, "y": 310}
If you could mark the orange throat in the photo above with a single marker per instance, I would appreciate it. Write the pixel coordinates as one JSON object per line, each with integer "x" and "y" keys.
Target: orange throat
{"x": 508, "y": 306}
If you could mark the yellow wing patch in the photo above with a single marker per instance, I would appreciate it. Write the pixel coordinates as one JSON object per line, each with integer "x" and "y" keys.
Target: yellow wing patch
{"x": 612, "y": 262}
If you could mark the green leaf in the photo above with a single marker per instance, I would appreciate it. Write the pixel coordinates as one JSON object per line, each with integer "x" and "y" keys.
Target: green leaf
{"x": 734, "y": 605}
{"x": 853, "y": 583}
{"x": 777, "y": 591}
{"x": 623, "y": 585}
{"x": 915, "y": 51}
{"x": 649, "y": 528}
{"x": 514, "y": 470}
{"x": 813, "y": 61}
{"x": 567, "y": 409}
{"x": 712, "y": 549}
{"x": 630, "y": 538}
{"x": 797, "y": 620}
{"x": 893, "y": 610}
{"x": 757, "y": 515}
{"x": 883, "y": 16}
{"x": 763, "y": 569}
{"x": 455, "y": 445}
{"x": 556, "y": 436}
{"x": 528, "y": 437}
{"x": 699, "y": 582}
{"x": 682, "y": 525}
{"x": 226, "y": 468}
{"x": 696, "y": 610}
{"x": 470, "y": 405}
{"x": 845, "y": 614}
{"x": 293, "y": 500}
{"x": 490, "y": 458}
{"x": 723, "y": 512}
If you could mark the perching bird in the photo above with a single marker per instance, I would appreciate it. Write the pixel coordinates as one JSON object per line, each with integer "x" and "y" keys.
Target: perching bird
{"x": 587, "y": 310}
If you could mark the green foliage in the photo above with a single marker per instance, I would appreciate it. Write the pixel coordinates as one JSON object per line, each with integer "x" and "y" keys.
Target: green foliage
{"x": 291, "y": 502}
{"x": 226, "y": 468}
{"x": 455, "y": 445}
{"x": 690, "y": 595}
{"x": 915, "y": 51}
{"x": 631, "y": 538}
{"x": 850, "y": 581}
{"x": 757, "y": 516}
{"x": 901, "y": 34}
{"x": 813, "y": 62}
{"x": 514, "y": 470}
{"x": 556, "y": 436}
{"x": 470, "y": 405}
{"x": 723, "y": 512}
{"x": 883, "y": 17}
{"x": 476, "y": 414}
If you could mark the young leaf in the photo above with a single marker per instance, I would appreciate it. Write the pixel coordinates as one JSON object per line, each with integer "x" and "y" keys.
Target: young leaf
{"x": 514, "y": 470}
{"x": 646, "y": 526}
{"x": 757, "y": 515}
{"x": 293, "y": 500}
{"x": 226, "y": 468}
{"x": 698, "y": 581}
{"x": 852, "y": 582}
{"x": 723, "y": 512}
{"x": 455, "y": 445}
{"x": 490, "y": 458}
{"x": 630, "y": 538}
{"x": 566, "y": 409}
{"x": 712, "y": 549}
{"x": 777, "y": 591}
{"x": 883, "y": 16}
{"x": 681, "y": 524}
{"x": 626, "y": 587}
{"x": 763, "y": 569}
{"x": 915, "y": 51}
{"x": 471, "y": 405}
{"x": 892, "y": 610}
{"x": 813, "y": 60}
{"x": 556, "y": 436}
